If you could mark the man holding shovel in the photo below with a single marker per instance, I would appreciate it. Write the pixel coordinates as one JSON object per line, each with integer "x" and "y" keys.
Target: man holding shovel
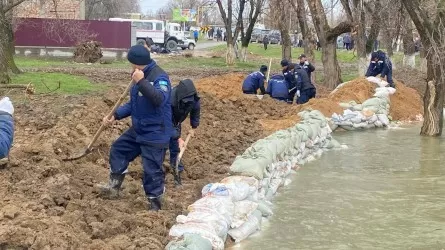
{"x": 149, "y": 136}
{"x": 6, "y": 129}
{"x": 185, "y": 101}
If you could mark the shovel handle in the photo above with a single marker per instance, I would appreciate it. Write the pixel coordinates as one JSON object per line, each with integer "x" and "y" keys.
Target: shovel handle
{"x": 189, "y": 136}
{"x": 116, "y": 106}
{"x": 268, "y": 70}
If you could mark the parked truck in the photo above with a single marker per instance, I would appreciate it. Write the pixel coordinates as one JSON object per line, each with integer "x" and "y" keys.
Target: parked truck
{"x": 167, "y": 35}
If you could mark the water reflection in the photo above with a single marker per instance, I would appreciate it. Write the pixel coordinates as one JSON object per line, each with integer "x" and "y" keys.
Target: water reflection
{"x": 387, "y": 191}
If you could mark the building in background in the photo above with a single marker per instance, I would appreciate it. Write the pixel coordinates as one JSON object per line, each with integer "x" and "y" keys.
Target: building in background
{"x": 61, "y": 9}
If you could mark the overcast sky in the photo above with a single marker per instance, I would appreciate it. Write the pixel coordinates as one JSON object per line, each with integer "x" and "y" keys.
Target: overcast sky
{"x": 152, "y": 5}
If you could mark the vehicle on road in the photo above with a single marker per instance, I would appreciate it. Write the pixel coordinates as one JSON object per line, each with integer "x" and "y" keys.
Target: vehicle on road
{"x": 167, "y": 35}
{"x": 188, "y": 44}
{"x": 274, "y": 37}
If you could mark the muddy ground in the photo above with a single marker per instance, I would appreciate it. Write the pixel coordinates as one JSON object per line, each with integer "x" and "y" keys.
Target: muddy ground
{"x": 46, "y": 203}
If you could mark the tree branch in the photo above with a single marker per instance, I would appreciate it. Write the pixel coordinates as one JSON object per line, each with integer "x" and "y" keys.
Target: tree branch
{"x": 12, "y": 5}
{"x": 341, "y": 28}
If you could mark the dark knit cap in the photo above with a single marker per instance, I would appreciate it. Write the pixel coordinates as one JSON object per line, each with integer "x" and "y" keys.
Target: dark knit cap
{"x": 263, "y": 68}
{"x": 284, "y": 63}
{"x": 139, "y": 55}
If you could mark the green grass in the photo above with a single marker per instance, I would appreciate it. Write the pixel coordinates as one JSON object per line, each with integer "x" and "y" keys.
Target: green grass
{"x": 69, "y": 84}
{"x": 199, "y": 63}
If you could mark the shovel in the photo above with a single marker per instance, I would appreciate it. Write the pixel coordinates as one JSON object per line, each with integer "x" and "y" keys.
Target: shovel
{"x": 89, "y": 148}
{"x": 178, "y": 160}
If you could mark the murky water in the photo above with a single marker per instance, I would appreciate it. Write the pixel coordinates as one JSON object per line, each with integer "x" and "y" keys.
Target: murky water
{"x": 387, "y": 191}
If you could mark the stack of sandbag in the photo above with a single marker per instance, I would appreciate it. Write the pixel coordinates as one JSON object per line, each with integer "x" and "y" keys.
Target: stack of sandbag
{"x": 237, "y": 204}
{"x": 372, "y": 113}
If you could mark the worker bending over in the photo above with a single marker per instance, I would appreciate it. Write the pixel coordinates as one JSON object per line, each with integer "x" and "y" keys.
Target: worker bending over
{"x": 184, "y": 101}
{"x": 305, "y": 89}
{"x": 151, "y": 130}
{"x": 255, "y": 81}
{"x": 380, "y": 64}
{"x": 277, "y": 88}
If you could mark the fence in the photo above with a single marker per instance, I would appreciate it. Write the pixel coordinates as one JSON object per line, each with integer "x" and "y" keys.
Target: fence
{"x": 66, "y": 32}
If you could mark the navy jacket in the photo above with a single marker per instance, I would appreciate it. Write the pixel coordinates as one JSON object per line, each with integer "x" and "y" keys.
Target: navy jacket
{"x": 253, "y": 82}
{"x": 277, "y": 87}
{"x": 382, "y": 67}
{"x": 150, "y": 108}
{"x": 6, "y": 133}
{"x": 303, "y": 80}
{"x": 185, "y": 101}
{"x": 289, "y": 76}
{"x": 309, "y": 68}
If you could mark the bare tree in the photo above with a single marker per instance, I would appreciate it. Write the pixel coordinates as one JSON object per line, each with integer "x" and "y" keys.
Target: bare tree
{"x": 105, "y": 9}
{"x": 409, "y": 51}
{"x": 256, "y": 6}
{"x": 228, "y": 18}
{"x": 281, "y": 12}
{"x": 428, "y": 17}
{"x": 7, "y": 51}
{"x": 328, "y": 40}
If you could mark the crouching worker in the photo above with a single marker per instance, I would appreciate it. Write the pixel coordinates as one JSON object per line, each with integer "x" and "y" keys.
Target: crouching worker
{"x": 305, "y": 89}
{"x": 185, "y": 101}
{"x": 151, "y": 130}
{"x": 277, "y": 88}
{"x": 255, "y": 81}
{"x": 6, "y": 129}
{"x": 380, "y": 64}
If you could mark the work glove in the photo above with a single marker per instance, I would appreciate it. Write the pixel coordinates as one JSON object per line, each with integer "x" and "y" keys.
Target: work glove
{"x": 6, "y": 106}
{"x": 306, "y": 63}
{"x": 298, "y": 93}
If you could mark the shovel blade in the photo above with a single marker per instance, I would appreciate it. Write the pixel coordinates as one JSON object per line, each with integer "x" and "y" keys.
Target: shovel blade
{"x": 77, "y": 156}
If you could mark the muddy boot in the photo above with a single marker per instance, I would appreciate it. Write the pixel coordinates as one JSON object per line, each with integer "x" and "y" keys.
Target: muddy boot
{"x": 4, "y": 163}
{"x": 111, "y": 190}
{"x": 155, "y": 203}
{"x": 176, "y": 176}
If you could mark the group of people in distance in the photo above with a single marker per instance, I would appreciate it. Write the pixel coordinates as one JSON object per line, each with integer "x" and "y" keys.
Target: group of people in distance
{"x": 295, "y": 81}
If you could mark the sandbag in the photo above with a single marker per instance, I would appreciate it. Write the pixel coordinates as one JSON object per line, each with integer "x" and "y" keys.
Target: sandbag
{"x": 190, "y": 242}
{"x": 244, "y": 165}
{"x": 243, "y": 209}
{"x": 252, "y": 225}
{"x": 237, "y": 190}
{"x": 219, "y": 225}
{"x": 265, "y": 208}
{"x": 202, "y": 229}
{"x": 223, "y": 206}
{"x": 384, "y": 119}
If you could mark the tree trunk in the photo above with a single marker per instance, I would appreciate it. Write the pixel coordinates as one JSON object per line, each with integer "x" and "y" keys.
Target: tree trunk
{"x": 286, "y": 45}
{"x": 244, "y": 54}
{"x": 230, "y": 56}
{"x": 409, "y": 58}
{"x": 4, "y": 50}
{"x": 331, "y": 69}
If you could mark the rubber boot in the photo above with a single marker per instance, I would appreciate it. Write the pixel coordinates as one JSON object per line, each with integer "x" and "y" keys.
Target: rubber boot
{"x": 111, "y": 190}
{"x": 155, "y": 203}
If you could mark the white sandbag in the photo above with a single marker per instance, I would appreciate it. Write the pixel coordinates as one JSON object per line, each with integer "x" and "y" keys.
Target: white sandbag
{"x": 243, "y": 209}
{"x": 348, "y": 128}
{"x": 377, "y": 81}
{"x": 360, "y": 125}
{"x": 218, "y": 223}
{"x": 391, "y": 90}
{"x": 273, "y": 187}
{"x": 378, "y": 124}
{"x": 357, "y": 107}
{"x": 265, "y": 208}
{"x": 222, "y": 206}
{"x": 202, "y": 229}
{"x": 252, "y": 225}
{"x": 384, "y": 119}
{"x": 237, "y": 190}
{"x": 372, "y": 119}
{"x": 189, "y": 242}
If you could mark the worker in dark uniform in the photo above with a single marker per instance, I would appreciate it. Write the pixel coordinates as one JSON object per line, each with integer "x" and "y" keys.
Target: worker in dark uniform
{"x": 289, "y": 76}
{"x": 278, "y": 88}
{"x": 380, "y": 64}
{"x": 255, "y": 81}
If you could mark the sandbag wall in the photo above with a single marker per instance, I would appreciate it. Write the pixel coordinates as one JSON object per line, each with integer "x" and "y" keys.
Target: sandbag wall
{"x": 372, "y": 113}
{"x": 236, "y": 205}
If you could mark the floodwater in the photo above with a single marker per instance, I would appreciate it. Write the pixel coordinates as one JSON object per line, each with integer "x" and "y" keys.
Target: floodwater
{"x": 387, "y": 191}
